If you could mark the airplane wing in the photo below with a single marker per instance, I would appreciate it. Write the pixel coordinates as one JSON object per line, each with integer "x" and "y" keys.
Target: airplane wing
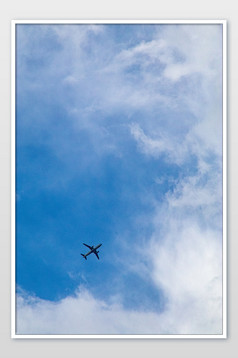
{"x": 90, "y": 247}
{"x": 96, "y": 255}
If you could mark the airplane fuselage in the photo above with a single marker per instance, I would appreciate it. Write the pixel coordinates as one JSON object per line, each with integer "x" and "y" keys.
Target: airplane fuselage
{"x": 94, "y": 250}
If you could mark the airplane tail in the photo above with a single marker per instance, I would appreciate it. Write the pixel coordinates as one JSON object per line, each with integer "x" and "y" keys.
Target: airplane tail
{"x": 84, "y": 256}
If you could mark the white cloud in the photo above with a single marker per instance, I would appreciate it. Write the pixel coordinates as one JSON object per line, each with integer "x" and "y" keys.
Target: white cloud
{"x": 81, "y": 314}
{"x": 186, "y": 252}
{"x": 187, "y": 265}
{"x": 154, "y": 147}
{"x": 188, "y": 312}
{"x": 193, "y": 52}
{"x": 197, "y": 46}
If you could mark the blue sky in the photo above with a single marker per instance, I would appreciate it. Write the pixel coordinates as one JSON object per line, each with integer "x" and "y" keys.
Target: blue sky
{"x": 119, "y": 142}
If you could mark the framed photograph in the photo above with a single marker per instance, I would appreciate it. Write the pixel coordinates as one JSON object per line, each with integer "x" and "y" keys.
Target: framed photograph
{"x": 118, "y": 179}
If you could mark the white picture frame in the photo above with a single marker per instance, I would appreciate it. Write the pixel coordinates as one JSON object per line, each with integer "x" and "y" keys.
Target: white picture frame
{"x": 223, "y": 23}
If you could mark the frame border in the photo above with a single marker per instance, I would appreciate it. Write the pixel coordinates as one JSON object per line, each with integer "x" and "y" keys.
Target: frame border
{"x": 13, "y": 184}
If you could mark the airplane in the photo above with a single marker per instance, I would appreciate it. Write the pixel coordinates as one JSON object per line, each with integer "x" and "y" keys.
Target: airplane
{"x": 92, "y": 249}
